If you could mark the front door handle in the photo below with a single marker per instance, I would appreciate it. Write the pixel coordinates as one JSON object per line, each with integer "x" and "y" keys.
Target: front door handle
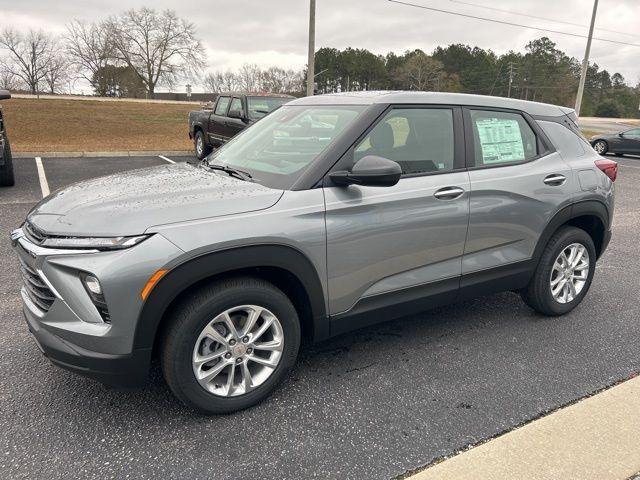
{"x": 555, "y": 179}
{"x": 449, "y": 193}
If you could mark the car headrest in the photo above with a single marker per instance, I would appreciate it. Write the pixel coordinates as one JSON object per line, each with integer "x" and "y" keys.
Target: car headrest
{"x": 382, "y": 137}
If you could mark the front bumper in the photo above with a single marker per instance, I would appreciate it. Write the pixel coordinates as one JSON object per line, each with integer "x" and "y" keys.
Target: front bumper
{"x": 69, "y": 328}
{"x": 116, "y": 370}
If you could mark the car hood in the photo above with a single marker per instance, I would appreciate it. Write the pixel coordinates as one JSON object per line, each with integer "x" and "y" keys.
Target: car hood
{"x": 129, "y": 203}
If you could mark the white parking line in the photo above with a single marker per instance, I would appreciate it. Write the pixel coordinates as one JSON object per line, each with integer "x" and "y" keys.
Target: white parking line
{"x": 166, "y": 159}
{"x": 44, "y": 185}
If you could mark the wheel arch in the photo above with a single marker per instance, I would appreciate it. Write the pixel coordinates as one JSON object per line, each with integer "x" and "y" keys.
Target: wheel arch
{"x": 284, "y": 266}
{"x": 589, "y": 215}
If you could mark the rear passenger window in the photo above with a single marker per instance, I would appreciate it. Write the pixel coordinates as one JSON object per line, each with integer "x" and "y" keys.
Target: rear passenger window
{"x": 421, "y": 140}
{"x": 222, "y": 105}
{"x": 502, "y": 137}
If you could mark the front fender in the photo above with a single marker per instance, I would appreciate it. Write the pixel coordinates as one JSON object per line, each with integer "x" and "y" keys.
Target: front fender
{"x": 184, "y": 273}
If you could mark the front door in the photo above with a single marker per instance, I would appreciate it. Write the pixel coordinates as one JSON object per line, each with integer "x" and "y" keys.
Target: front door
{"x": 630, "y": 141}
{"x": 385, "y": 242}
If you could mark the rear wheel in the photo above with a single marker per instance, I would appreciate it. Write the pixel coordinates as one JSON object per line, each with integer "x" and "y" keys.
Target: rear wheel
{"x": 564, "y": 274}
{"x": 7, "y": 178}
{"x": 230, "y": 345}
{"x": 200, "y": 145}
{"x": 601, "y": 147}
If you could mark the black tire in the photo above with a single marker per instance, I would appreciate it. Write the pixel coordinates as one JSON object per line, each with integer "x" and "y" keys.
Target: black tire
{"x": 538, "y": 293}
{"x": 7, "y": 178}
{"x": 200, "y": 145}
{"x": 605, "y": 147}
{"x": 195, "y": 312}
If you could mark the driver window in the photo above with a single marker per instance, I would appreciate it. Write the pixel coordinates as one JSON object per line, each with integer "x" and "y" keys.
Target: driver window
{"x": 420, "y": 140}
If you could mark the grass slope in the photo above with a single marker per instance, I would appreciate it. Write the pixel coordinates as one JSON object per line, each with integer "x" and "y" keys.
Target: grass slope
{"x": 49, "y": 125}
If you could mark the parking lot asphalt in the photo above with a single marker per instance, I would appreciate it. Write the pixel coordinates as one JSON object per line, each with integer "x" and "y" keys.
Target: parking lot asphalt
{"x": 370, "y": 404}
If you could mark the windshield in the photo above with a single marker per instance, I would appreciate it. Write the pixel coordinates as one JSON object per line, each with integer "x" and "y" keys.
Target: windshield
{"x": 276, "y": 150}
{"x": 261, "y": 106}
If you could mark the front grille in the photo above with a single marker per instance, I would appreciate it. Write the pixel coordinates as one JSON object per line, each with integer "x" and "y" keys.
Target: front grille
{"x": 36, "y": 289}
{"x": 33, "y": 234}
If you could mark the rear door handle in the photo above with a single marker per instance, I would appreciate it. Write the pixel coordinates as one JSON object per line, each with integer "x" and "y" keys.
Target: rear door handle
{"x": 555, "y": 179}
{"x": 449, "y": 193}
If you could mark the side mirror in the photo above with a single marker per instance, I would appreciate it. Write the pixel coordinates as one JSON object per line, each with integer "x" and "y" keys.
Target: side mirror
{"x": 372, "y": 171}
{"x": 4, "y": 95}
{"x": 621, "y": 134}
{"x": 239, "y": 114}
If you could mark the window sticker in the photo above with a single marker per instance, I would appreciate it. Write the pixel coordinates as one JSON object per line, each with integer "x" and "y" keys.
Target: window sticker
{"x": 500, "y": 139}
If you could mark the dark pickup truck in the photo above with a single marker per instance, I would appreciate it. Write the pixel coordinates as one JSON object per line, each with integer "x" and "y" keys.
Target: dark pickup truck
{"x": 6, "y": 162}
{"x": 213, "y": 126}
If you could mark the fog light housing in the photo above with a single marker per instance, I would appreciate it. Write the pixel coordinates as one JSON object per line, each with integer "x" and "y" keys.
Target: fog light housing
{"x": 93, "y": 285}
{"x": 94, "y": 289}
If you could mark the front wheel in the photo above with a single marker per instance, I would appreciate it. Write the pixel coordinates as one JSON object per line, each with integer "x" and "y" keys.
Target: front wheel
{"x": 230, "y": 344}
{"x": 200, "y": 145}
{"x": 564, "y": 274}
{"x": 7, "y": 178}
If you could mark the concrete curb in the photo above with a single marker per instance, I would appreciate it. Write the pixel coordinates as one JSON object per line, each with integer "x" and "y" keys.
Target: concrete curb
{"x": 147, "y": 153}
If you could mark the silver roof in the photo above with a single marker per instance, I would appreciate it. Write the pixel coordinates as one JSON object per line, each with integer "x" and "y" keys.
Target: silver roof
{"x": 409, "y": 97}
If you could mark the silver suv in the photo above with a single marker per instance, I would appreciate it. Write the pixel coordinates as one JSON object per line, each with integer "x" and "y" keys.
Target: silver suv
{"x": 332, "y": 213}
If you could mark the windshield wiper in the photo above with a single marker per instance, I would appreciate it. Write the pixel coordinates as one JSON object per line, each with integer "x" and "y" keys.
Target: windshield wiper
{"x": 232, "y": 172}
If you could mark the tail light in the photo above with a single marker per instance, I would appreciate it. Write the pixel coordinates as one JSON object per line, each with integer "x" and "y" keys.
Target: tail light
{"x": 608, "y": 167}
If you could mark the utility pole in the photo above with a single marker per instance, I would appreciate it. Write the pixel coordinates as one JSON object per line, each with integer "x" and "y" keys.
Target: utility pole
{"x": 312, "y": 48}
{"x": 510, "y": 78}
{"x": 585, "y": 62}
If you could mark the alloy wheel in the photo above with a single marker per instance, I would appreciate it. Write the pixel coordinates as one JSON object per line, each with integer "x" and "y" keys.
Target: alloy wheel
{"x": 238, "y": 350}
{"x": 569, "y": 273}
{"x": 600, "y": 147}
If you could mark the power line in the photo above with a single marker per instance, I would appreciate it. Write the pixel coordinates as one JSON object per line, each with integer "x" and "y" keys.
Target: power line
{"x": 635, "y": 35}
{"x": 502, "y": 22}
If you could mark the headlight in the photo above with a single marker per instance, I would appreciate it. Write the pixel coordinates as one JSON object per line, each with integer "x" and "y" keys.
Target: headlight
{"x": 98, "y": 243}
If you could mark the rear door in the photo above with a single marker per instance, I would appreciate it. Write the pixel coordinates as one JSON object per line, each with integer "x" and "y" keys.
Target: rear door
{"x": 518, "y": 182}
{"x": 387, "y": 245}
{"x": 217, "y": 125}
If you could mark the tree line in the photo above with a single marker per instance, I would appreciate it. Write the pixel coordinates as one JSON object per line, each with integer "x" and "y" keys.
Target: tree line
{"x": 542, "y": 73}
{"x": 131, "y": 54}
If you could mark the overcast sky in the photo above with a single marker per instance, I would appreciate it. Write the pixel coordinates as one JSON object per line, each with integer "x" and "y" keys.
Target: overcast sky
{"x": 274, "y": 32}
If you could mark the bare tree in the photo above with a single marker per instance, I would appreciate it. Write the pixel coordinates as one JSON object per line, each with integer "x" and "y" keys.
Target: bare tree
{"x": 250, "y": 78}
{"x": 30, "y": 55}
{"x": 279, "y": 80}
{"x": 159, "y": 47}
{"x": 90, "y": 49}
{"x": 422, "y": 72}
{"x": 217, "y": 82}
{"x": 57, "y": 74}
{"x": 8, "y": 80}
